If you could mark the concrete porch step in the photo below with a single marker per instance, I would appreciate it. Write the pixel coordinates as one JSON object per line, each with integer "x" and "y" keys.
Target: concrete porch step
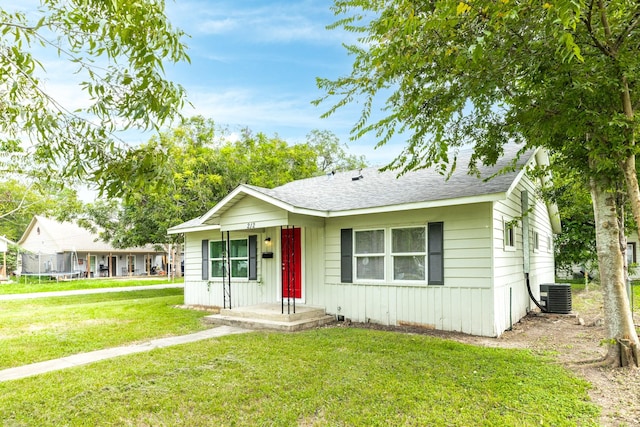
{"x": 262, "y": 324}
{"x": 269, "y": 316}
{"x": 274, "y": 312}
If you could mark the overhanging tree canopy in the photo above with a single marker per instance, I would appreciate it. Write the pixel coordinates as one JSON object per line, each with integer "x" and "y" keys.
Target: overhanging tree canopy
{"x": 117, "y": 49}
{"x": 203, "y": 166}
{"x": 558, "y": 74}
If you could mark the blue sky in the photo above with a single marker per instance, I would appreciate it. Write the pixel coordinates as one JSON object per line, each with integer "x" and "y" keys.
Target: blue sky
{"x": 254, "y": 64}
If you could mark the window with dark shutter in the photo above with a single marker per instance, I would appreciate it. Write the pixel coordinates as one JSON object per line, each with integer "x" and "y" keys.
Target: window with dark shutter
{"x": 346, "y": 255}
{"x": 205, "y": 260}
{"x": 253, "y": 257}
{"x": 436, "y": 258}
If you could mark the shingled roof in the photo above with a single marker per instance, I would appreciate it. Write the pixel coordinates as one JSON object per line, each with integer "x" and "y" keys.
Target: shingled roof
{"x": 371, "y": 189}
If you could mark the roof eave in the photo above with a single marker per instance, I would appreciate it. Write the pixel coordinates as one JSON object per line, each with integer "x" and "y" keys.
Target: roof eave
{"x": 485, "y": 198}
{"x": 28, "y": 230}
{"x": 4, "y": 239}
{"x": 533, "y": 160}
{"x": 241, "y": 189}
{"x": 193, "y": 229}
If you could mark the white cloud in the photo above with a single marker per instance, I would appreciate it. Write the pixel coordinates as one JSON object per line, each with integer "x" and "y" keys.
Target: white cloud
{"x": 218, "y": 26}
{"x": 287, "y": 115}
{"x": 284, "y": 22}
{"x": 243, "y": 107}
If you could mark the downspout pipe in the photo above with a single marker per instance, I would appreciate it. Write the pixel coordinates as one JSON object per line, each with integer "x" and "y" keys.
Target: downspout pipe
{"x": 524, "y": 199}
{"x": 533, "y": 298}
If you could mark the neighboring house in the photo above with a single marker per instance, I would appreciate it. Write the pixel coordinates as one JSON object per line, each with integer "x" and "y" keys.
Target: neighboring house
{"x": 577, "y": 271}
{"x": 64, "y": 248}
{"x": 632, "y": 255}
{"x": 368, "y": 246}
{"x": 4, "y": 248}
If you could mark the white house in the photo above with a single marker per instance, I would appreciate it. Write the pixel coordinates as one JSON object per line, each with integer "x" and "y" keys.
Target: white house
{"x": 371, "y": 247}
{"x": 64, "y": 248}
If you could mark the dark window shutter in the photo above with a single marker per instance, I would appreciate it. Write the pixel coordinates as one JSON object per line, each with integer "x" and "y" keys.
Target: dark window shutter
{"x": 253, "y": 257}
{"x": 346, "y": 255}
{"x": 205, "y": 260}
{"x": 436, "y": 258}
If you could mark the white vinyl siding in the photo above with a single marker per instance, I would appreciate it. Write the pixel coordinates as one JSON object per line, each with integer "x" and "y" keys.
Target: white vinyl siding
{"x": 209, "y": 292}
{"x": 463, "y": 303}
{"x": 460, "y": 309}
{"x": 249, "y": 213}
{"x": 511, "y": 297}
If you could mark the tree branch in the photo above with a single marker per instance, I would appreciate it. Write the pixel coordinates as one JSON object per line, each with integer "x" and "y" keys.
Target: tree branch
{"x": 633, "y": 24}
{"x": 587, "y": 21}
{"x": 18, "y": 26}
{"x": 17, "y": 208}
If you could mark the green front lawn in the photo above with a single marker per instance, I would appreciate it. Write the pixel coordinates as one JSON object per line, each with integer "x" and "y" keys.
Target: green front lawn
{"x": 331, "y": 376}
{"x": 48, "y": 328}
{"x": 46, "y": 285}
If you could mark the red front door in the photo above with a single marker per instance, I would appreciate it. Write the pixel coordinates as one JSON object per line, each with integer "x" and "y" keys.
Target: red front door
{"x": 291, "y": 263}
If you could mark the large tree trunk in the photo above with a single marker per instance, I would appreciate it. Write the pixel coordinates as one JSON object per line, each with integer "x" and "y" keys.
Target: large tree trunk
{"x": 629, "y": 164}
{"x": 624, "y": 347}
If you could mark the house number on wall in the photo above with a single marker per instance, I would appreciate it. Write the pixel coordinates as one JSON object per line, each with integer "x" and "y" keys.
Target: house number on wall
{"x": 251, "y": 225}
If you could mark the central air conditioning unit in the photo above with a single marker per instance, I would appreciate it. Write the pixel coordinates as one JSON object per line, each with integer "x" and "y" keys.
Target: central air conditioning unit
{"x": 556, "y": 297}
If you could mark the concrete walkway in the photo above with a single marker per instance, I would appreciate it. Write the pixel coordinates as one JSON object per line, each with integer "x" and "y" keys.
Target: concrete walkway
{"x": 95, "y": 356}
{"x": 10, "y": 297}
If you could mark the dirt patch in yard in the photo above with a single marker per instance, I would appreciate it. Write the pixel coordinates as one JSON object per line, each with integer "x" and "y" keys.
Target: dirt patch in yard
{"x": 573, "y": 339}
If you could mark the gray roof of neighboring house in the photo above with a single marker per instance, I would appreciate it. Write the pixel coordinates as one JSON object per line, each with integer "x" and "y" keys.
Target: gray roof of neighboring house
{"x": 377, "y": 189}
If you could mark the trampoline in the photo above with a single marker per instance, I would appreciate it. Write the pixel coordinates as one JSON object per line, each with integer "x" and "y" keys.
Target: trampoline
{"x": 61, "y": 266}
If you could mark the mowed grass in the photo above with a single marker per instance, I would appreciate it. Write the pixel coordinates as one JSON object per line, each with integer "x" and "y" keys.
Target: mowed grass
{"x": 330, "y": 376}
{"x": 586, "y": 299}
{"x": 45, "y": 285}
{"x": 325, "y": 377}
{"x": 48, "y": 328}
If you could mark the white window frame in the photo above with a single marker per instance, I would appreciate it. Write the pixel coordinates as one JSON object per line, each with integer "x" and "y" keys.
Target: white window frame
{"x": 224, "y": 249}
{"x": 632, "y": 254}
{"x": 357, "y": 256}
{"x": 388, "y": 256}
{"x": 509, "y": 229}
{"x": 536, "y": 241}
{"x": 393, "y": 255}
